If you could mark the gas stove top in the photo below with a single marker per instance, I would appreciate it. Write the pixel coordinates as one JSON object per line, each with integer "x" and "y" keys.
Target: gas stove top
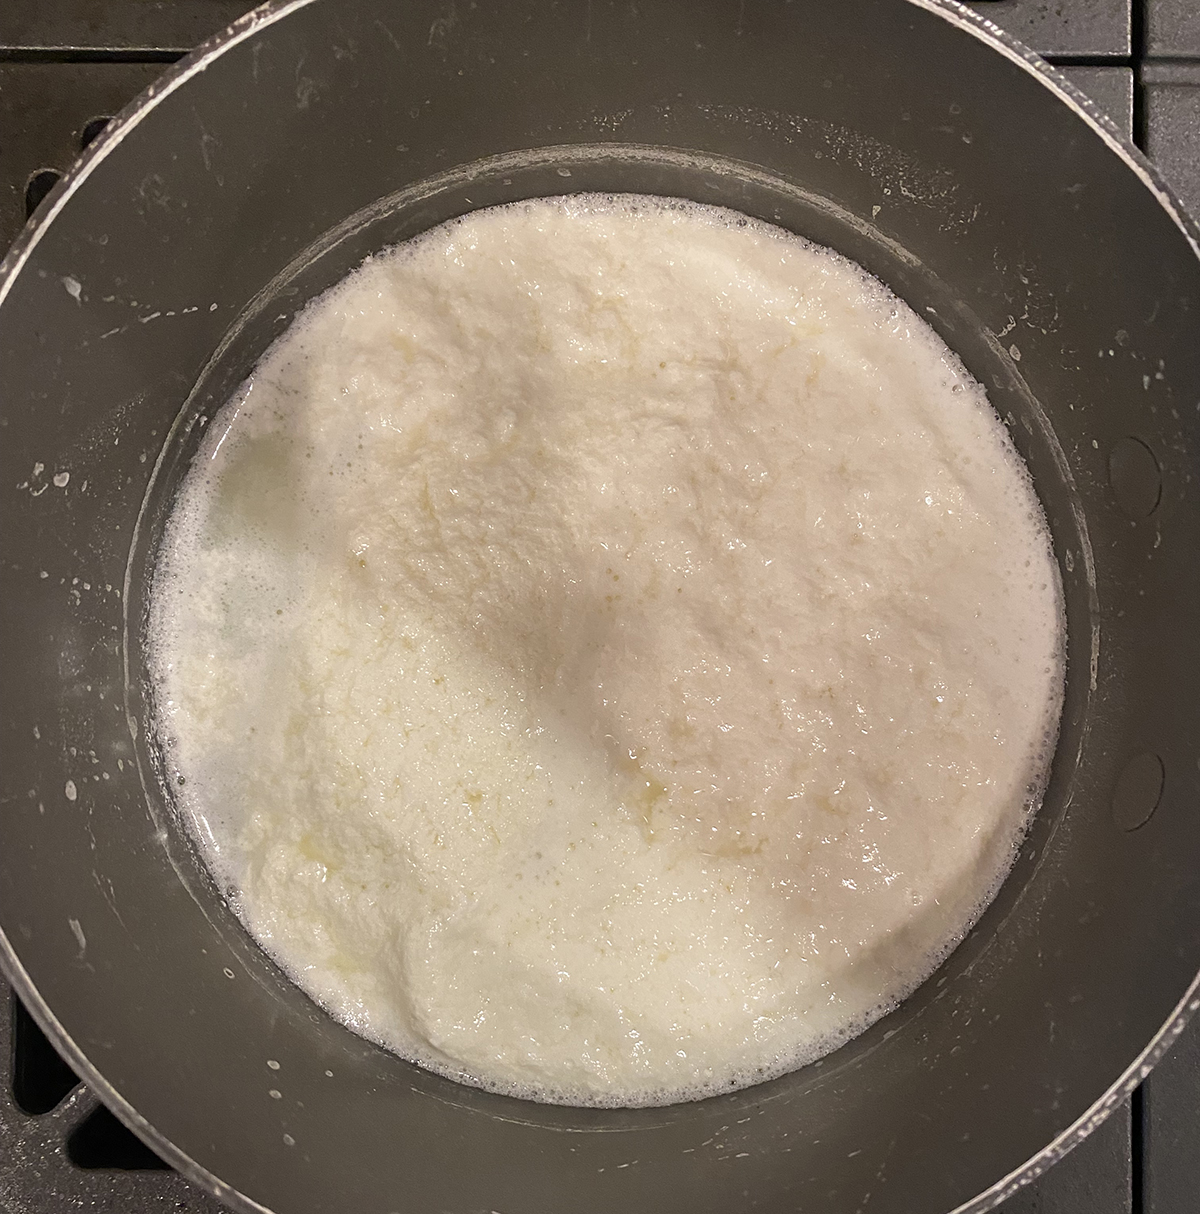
{"x": 65, "y": 67}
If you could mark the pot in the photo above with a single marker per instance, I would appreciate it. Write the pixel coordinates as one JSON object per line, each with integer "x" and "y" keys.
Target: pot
{"x": 907, "y": 134}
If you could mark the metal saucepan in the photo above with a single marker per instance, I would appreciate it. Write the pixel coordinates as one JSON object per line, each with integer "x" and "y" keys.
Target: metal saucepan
{"x": 944, "y": 158}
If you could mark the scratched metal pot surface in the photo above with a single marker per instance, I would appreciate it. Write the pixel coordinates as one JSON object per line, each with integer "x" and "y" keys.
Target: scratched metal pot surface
{"x": 258, "y": 172}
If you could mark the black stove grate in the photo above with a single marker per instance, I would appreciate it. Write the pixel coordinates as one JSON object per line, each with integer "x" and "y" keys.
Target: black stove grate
{"x": 61, "y": 1149}
{"x": 65, "y": 67}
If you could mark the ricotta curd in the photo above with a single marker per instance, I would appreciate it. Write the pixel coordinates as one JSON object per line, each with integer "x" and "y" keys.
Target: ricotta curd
{"x": 608, "y": 651}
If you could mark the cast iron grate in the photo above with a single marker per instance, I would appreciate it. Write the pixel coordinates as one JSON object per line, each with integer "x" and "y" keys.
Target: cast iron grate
{"x": 44, "y": 180}
{"x": 41, "y": 1081}
{"x": 61, "y": 1149}
{"x": 101, "y": 1141}
{"x": 37, "y": 187}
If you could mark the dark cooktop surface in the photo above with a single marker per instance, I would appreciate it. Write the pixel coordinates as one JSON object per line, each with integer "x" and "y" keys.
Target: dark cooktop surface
{"x": 65, "y": 67}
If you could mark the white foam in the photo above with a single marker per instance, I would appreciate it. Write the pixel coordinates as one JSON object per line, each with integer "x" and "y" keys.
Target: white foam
{"x": 609, "y": 651}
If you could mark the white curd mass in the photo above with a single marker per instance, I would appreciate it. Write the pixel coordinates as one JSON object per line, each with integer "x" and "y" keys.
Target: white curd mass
{"x": 608, "y": 651}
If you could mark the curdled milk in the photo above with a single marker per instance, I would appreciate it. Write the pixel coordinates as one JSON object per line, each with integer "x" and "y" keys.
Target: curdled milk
{"x": 608, "y": 651}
